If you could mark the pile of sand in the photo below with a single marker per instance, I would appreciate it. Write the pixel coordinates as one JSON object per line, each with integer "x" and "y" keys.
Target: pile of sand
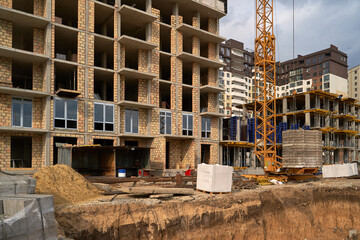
{"x": 65, "y": 184}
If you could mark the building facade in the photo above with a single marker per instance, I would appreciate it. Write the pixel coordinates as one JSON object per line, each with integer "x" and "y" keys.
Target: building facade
{"x": 237, "y": 75}
{"x": 131, "y": 72}
{"x": 323, "y": 70}
{"x": 353, "y": 81}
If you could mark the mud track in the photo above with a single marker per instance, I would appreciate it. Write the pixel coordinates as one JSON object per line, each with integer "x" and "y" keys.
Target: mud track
{"x": 320, "y": 210}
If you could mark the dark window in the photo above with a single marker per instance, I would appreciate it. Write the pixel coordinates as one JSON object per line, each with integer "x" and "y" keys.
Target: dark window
{"x": 103, "y": 117}
{"x": 21, "y": 152}
{"x": 131, "y": 121}
{"x": 65, "y": 112}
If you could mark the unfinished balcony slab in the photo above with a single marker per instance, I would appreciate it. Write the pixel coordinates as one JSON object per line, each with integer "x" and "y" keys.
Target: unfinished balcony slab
{"x": 67, "y": 93}
{"x": 22, "y": 55}
{"x": 131, "y": 42}
{"x": 126, "y": 103}
{"x": 204, "y": 62}
{"x": 22, "y": 130}
{"x": 211, "y": 89}
{"x": 128, "y": 14}
{"x": 136, "y": 74}
{"x": 212, "y": 114}
{"x": 214, "y": 8}
{"x": 135, "y": 135}
{"x": 23, "y": 92}
{"x": 205, "y": 36}
{"x": 178, "y": 137}
{"x": 23, "y": 18}
{"x": 105, "y": 5}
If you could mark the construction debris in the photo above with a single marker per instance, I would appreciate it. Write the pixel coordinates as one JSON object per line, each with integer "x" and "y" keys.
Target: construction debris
{"x": 65, "y": 184}
{"x": 340, "y": 170}
{"x": 242, "y": 183}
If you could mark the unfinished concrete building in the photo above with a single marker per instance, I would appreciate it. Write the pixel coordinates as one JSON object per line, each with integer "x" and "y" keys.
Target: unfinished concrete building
{"x": 123, "y": 73}
{"x": 336, "y": 117}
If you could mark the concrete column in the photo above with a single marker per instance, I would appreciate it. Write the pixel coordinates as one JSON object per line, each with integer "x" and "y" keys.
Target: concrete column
{"x": 327, "y": 157}
{"x": 238, "y": 121}
{"x": 148, "y": 6}
{"x": 317, "y": 102}
{"x": 284, "y": 109}
{"x": 307, "y": 119}
{"x": 307, "y": 101}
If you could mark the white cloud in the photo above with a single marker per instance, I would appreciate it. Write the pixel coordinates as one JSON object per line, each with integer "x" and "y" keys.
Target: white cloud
{"x": 318, "y": 23}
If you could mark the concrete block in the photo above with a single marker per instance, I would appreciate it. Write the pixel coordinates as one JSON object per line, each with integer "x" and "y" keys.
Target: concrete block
{"x": 21, "y": 187}
{"x": 214, "y": 178}
{"x": 7, "y": 187}
{"x": 20, "y": 207}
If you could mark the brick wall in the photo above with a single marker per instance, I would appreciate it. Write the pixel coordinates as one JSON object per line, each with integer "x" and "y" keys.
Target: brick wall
{"x": 39, "y": 41}
{"x": 142, "y": 122}
{"x": 6, "y": 33}
{"x": 38, "y": 77}
{"x": 91, "y": 49}
{"x": 5, "y": 110}
{"x": 5, "y": 72}
{"x": 82, "y": 14}
{"x": 91, "y": 16}
{"x": 81, "y": 50}
{"x": 157, "y": 154}
{"x": 196, "y": 45}
{"x": 39, "y": 6}
{"x": 212, "y": 53}
{"x": 212, "y": 102}
{"x": 6, "y": 3}
{"x": 142, "y": 60}
{"x": 212, "y": 77}
{"x": 38, "y": 112}
{"x": 90, "y": 85}
{"x": 212, "y": 25}
{"x": 142, "y": 91}
{"x": 81, "y": 80}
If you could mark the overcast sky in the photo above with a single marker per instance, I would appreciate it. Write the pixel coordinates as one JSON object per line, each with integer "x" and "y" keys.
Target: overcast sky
{"x": 318, "y": 23}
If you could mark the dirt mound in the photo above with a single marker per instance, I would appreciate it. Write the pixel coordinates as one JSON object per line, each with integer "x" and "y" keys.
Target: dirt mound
{"x": 65, "y": 184}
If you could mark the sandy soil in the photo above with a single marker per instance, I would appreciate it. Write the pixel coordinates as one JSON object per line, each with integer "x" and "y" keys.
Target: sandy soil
{"x": 326, "y": 209}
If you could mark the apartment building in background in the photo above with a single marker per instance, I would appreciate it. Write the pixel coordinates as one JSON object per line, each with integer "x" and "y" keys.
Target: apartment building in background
{"x": 324, "y": 70}
{"x": 236, "y": 75}
{"x": 124, "y": 73}
{"x": 353, "y": 82}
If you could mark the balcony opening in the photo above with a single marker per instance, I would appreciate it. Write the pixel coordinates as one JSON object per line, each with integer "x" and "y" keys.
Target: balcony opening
{"x": 204, "y": 100}
{"x": 187, "y": 99}
{"x": 103, "y": 86}
{"x": 165, "y": 95}
{"x": 104, "y": 20}
{"x": 22, "y": 75}
{"x": 58, "y": 142}
{"x": 187, "y": 73}
{"x": 104, "y": 142}
{"x": 204, "y": 77}
{"x": 165, "y": 10}
{"x": 138, "y": 4}
{"x": 65, "y": 76}
{"x": 66, "y": 44}
{"x": 104, "y": 53}
{"x": 23, "y": 5}
{"x": 204, "y": 49}
{"x": 131, "y": 90}
{"x": 22, "y": 38}
{"x": 205, "y": 153}
{"x": 131, "y": 58}
{"x": 21, "y": 152}
{"x": 132, "y": 30}
{"x": 66, "y": 12}
{"x": 165, "y": 67}
{"x": 165, "y": 36}
{"x": 187, "y": 15}
{"x": 187, "y": 43}
{"x": 204, "y": 23}
{"x": 109, "y": 2}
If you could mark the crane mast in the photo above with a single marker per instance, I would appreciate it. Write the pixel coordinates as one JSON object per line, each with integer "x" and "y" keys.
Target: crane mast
{"x": 265, "y": 88}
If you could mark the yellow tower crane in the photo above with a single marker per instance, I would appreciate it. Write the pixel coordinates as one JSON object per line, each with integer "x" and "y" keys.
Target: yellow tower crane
{"x": 265, "y": 88}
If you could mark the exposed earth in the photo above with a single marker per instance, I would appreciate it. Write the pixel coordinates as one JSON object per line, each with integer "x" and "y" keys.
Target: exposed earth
{"x": 326, "y": 209}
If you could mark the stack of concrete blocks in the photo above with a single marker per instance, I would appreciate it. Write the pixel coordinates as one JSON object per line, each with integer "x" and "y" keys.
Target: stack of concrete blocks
{"x": 340, "y": 170}
{"x": 214, "y": 178}
{"x": 302, "y": 149}
{"x": 23, "y": 214}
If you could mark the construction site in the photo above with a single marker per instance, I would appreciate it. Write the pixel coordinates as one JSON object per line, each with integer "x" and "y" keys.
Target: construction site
{"x": 111, "y": 128}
